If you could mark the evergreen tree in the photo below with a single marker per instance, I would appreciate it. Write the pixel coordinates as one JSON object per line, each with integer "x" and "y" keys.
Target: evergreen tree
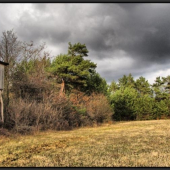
{"x": 73, "y": 68}
{"x": 123, "y": 103}
{"x": 126, "y": 81}
{"x": 77, "y": 50}
{"x": 160, "y": 109}
{"x": 96, "y": 83}
{"x": 113, "y": 87}
{"x": 159, "y": 89}
{"x": 144, "y": 107}
{"x": 142, "y": 86}
{"x": 167, "y": 85}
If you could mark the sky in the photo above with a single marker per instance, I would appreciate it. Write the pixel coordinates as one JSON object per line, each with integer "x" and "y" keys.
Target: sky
{"x": 121, "y": 38}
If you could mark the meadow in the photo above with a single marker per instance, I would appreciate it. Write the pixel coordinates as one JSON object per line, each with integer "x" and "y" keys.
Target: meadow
{"x": 118, "y": 144}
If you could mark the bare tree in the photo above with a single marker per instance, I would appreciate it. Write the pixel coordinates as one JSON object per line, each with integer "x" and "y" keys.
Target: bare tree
{"x": 10, "y": 49}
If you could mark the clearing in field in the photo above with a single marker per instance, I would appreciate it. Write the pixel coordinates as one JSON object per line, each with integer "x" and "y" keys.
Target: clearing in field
{"x": 122, "y": 144}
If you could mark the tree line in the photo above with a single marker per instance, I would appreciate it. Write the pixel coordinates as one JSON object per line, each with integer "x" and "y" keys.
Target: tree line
{"x": 139, "y": 100}
{"x": 66, "y": 92}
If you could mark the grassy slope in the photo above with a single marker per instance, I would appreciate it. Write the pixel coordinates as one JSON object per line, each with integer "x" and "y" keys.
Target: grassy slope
{"x": 139, "y": 143}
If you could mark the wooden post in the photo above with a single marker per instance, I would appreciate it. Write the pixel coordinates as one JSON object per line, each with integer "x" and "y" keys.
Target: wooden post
{"x": 2, "y": 65}
{"x": 2, "y": 107}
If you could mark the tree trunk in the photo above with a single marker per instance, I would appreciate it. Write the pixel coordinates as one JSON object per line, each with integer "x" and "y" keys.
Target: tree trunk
{"x": 2, "y": 107}
{"x": 62, "y": 90}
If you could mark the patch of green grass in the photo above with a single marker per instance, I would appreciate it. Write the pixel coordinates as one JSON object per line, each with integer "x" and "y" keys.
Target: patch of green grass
{"x": 129, "y": 144}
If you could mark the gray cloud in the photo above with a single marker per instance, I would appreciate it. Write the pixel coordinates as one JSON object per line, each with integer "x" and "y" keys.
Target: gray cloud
{"x": 121, "y": 38}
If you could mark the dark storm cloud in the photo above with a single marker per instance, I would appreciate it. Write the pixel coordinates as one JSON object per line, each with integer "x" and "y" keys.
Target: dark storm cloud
{"x": 144, "y": 35}
{"x": 154, "y": 47}
{"x": 143, "y": 32}
{"x": 128, "y": 7}
{"x": 147, "y": 32}
{"x": 77, "y": 23}
{"x": 39, "y": 27}
{"x": 122, "y": 38}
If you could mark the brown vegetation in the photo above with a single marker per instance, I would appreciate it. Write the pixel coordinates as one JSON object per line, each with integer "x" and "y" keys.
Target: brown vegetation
{"x": 122, "y": 144}
{"x": 58, "y": 112}
{"x": 93, "y": 109}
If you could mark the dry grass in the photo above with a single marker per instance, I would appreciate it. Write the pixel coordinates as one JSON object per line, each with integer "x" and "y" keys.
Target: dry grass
{"x": 129, "y": 144}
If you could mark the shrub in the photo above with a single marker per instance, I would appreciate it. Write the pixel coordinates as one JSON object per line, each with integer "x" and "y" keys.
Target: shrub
{"x": 98, "y": 108}
{"x": 51, "y": 114}
{"x": 91, "y": 109}
{"x": 144, "y": 107}
{"x": 123, "y": 104}
{"x": 160, "y": 109}
{"x": 4, "y": 132}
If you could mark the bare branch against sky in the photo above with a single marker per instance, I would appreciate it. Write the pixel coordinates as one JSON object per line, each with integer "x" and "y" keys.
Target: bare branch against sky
{"x": 121, "y": 38}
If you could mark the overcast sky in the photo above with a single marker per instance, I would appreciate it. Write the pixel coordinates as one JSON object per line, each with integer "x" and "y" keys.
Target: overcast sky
{"x": 121, "y": 38}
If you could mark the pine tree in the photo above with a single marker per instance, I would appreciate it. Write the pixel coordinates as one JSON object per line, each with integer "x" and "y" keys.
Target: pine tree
{"x": 167, "y": 85}
{"x": 123, "y": 103}
{"x": 159, "y": 88}
{"x": 126, "y": 81}
{"x": 113, "y": 87}
{"x": 142, "y": 86}
{"x": 72, "y": 68}
{"x": 144, "y": 106}
{"x": 95, "y": 83}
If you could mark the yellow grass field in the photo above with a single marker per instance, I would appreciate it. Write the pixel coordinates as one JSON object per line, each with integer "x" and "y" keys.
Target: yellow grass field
{"x": 121, "y": 144}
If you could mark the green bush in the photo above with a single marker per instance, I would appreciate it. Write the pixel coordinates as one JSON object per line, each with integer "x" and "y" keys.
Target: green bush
{"x": 123, "y": 104}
